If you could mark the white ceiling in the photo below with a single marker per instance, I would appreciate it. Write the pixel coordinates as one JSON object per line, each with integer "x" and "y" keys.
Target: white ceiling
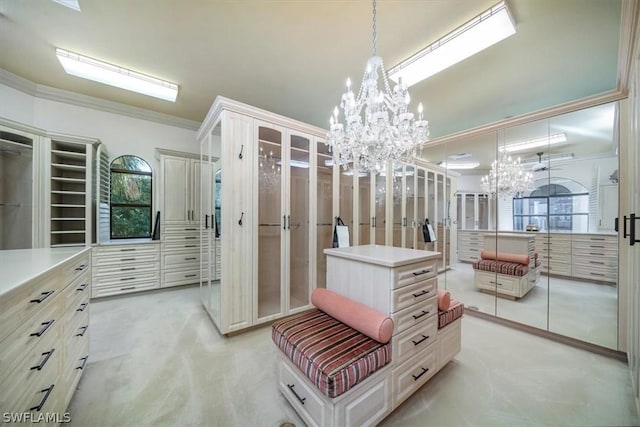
{"x": 293, "y": 56}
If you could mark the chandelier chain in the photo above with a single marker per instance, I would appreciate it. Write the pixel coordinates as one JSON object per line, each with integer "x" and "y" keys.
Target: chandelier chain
{"x": 375, "y": 36}
{"x": 374, "y": 129}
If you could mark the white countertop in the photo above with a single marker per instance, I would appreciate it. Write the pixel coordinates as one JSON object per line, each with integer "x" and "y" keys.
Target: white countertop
{"x": 21, "y": 265}
{"x": 388, "y": 256}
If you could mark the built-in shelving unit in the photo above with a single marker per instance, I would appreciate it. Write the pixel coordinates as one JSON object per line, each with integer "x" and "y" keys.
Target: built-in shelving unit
{"x": 69, "y": 194}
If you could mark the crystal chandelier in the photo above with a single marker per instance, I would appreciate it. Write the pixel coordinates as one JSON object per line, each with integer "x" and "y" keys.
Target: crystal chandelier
{"x": 378, "y": 126}
{"x": 507, "y": 178}
{"x": 269, "y": 171}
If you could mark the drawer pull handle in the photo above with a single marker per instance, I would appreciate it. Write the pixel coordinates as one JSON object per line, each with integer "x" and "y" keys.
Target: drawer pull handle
{"x": 127, "y": 269}
{"x": 190, "y": 237}
{"x": 127, "y": 250}
{"x": 82, "y": 267}
{"x": 498, "y": 283}
{"x": 420, "y": 273}
{"x": 84, "y": 329}
{"x": 43, "y": 297}
{"x": 190, "y": 229}
{"x": 82, "y": 306}
{"x": 597, "y": 238}
{"x": 190, "y": 275}
{"x": 127, "y": 259}
{"x": 417, "y": 377}
{"x": 596, "y": 246}
{"x": 596, "y": 262}
{"x": 420, "y": 341}
{"x": 419, "y": 294}
{"x": 46, "y": 355}
{"x": 190, "y": 258}
{"x": 127, "y": 288}
{"x": 190, "y": 246}
{"x": 300, "y": 399}
{"x": 46, "y": 325}
{"x": 84, "y": 362}
{"x": 596, "y": 253}
{"x": 596, "y": 274}
{"x": 127, "y": 278}
{"x": 82, "y": 287}
{"x": 424, "y": 313}
{"x": 47, "y": 392}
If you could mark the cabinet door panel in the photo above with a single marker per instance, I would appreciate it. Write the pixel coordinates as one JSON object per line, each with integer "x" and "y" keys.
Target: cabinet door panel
{"x": 176, "y": 190}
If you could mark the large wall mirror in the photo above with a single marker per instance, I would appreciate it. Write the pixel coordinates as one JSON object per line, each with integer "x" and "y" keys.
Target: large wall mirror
{"x": 548, "y": 189}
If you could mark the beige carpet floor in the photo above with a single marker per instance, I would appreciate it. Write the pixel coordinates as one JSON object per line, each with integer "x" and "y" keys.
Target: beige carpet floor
{"x": 157, "y": 360}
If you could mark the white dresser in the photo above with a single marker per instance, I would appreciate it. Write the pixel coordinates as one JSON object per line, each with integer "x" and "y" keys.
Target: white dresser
{"x": 403, "y": 284}
{"x": 44, "y": 338}
{"x": 125, "y": 267}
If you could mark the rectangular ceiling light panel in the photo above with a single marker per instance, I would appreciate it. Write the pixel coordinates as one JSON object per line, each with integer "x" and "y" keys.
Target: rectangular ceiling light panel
{"x": 535, "y": 143}
{"x": 479, "y": 33}
{"x": 102, "y": 72}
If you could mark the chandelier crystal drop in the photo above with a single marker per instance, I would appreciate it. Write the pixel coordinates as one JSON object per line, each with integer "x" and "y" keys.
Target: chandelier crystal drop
{"x": 377, "y": 126}
{"x": 507, "y": 178}
{"x": 269, "y": 171}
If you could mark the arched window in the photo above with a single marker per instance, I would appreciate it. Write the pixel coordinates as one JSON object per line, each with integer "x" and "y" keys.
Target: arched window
{"x": 130, "y": 198}
{"x": 561, "y": 206}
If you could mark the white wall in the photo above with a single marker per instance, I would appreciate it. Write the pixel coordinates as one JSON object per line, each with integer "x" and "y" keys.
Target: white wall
{"x": 121, "y": 134}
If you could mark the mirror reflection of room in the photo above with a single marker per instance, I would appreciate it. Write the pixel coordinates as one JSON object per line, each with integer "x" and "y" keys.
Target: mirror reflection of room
{"x": 564, "y": 211}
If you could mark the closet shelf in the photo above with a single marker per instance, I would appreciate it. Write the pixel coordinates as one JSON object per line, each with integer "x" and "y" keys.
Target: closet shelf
{"x": 65, "y": 179}
{"x": 69, "y": 154}
{"x": 66, "y": 245}
{"x": 68, "y": 232}
{"x": 68, "y": 219}
{"x": 63, "y": 166}
{"x": 64, "y": 205}
{"x": 72, "y": 193}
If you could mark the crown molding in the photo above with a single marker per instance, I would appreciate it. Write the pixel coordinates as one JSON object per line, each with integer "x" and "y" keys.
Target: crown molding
{"x": 68, "y": 97}
{"x": 629, "y": 34}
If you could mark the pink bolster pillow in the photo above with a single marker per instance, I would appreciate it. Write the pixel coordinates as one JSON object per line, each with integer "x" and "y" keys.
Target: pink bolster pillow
{"x": 363, "y": 319}
{"x": 444, "y": 300}
{"x": 505, "y": 256}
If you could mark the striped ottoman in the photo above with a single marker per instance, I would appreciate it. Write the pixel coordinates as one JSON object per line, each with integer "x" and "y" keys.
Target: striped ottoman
{"x": 455, "y": 311}
{"x": 332, "y": 355}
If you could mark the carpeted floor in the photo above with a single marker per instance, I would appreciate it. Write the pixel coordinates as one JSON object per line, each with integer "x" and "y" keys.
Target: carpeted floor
{"x": 157, "y": 360}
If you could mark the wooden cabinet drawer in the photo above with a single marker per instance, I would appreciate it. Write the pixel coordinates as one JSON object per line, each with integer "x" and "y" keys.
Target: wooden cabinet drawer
{"x": 414, "y": 340}
{"x": 412, "y": 374}
{"x": 367, "y": 403}
{"x": 412, "y": 294}
{"x": 125, "y": 278}
{"x": 179, "y": 229}
{"x": 406, "y": 275}
{"x": 44, "y": 360}
{"x": 181, "y": 246}
{"x": 191, "y": 236}
{"x": 77, "y": 293}
{"x": 606, "y": 274}
{"x": 126, "y": 258}
{"x": 181, "y": 259}
{"x": 124, "y": 269}
{"x": 501, "y": 283}
{"x": 182, "y": 277}
{"x": 72, "y": 270}
{"x": 302, "y": 396}
{"x": 142, "y": 283}
{"x": 414, "y": 314}
{"x": 26, "y": 302}
{"x": 45, "y": 324}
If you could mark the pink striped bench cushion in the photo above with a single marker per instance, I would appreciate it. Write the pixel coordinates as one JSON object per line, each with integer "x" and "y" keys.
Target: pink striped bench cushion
{"x": 503, "y": 267}
{"x": 332, "y": 355}
{"x": 455, "y": 311}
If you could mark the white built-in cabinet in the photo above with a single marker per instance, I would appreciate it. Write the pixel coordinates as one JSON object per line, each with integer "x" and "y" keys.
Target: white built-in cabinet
{"x": 49, "y": 187}
{"x": 271, "y": 210}
{"x": 180, "y": 217}
{"x": 390, "y": 209}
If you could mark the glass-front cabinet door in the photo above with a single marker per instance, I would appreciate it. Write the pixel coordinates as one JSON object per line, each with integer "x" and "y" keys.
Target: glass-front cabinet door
{"x": 324, "y": 211}
{"x": 297, "y": 221}
{"x": 409, "y": 219}
{"x": 379, "y": 221}
{"x": 271, "y": 221}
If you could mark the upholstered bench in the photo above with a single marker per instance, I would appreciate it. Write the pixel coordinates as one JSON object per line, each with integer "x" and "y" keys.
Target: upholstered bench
{"x": 506, "y": 274}
{"x": 332, "y": 355}
{"x": 336, "y": 366}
